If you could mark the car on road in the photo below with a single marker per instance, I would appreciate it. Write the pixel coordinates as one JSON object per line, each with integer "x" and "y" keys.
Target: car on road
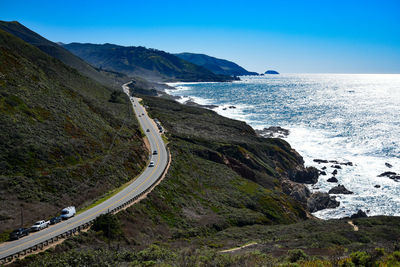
{"x": 39, "y": 225}
{"x": 18, "y": 233}
{"x": 151, "y": 164}
{"x": 142, "y": 114}
{"x": 55, "y": 220}
{"x": 148, "y": 130}
{"x": 68, "y": 212}
{"x": 155, "y": 152}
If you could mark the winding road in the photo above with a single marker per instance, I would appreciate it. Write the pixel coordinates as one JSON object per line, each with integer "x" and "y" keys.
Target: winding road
{"x": 138, "y": 186}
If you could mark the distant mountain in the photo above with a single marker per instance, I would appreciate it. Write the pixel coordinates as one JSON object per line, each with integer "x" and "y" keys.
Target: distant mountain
{"x": 271, "y": 72}
{"x": 64, "y": 138}
{"x": 150, "y": 64}
{"x": 55, "y": 50}
{"x": 216, "y": 65}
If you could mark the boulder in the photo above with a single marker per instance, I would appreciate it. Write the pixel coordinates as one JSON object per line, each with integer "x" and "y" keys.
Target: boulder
{"x": 322, "y": 173}
{"x": 340, "y": 189}
{"x": 336, "y": 166}
{"x": 319, "y": 201}
{"x": 387, "y": 174}
{"x": 359, "y": 214}
{"x": 377, "y": 186}
{"x": 334, "y": 172}
{"x": 307, "y": 176}
{"x": 332, "y": 180}
{"x": 347, "y": 163}
{"x": 388, "y": 165}
{"x": 320, "y": 161}
{"x": 323, "y": 168}
{"x": 273, "y": 131}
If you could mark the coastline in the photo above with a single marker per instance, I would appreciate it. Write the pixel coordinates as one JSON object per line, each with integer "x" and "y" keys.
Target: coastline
{"x": 377, "y": 184}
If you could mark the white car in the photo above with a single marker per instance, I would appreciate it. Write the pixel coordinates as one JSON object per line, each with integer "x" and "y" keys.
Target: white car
{"x": 68, "y": 212}
{"x": 39, "y": 225}
{"x": 151, "y": 164}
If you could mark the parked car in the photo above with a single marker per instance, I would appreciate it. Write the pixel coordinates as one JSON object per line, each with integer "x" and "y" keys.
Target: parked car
{"x": 39, "y": 225}
{"x": 55, "y": 220}
{"x": 68, "y": 212}
{"x": 151, "y": 164}
{"x": 18, "y": 233}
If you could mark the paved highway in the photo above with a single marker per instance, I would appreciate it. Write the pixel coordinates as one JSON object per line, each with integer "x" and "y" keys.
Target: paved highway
{"x": 139, "y": 185}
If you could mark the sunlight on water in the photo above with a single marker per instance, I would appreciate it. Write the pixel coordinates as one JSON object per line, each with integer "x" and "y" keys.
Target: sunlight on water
{"x": 330, "y": 116}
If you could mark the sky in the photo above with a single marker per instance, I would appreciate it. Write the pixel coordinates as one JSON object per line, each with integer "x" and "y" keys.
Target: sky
{"x": 322, "y": 36}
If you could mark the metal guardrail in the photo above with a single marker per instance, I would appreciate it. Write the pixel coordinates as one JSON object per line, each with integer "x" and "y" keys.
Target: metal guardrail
{"x": 79, "y": 228}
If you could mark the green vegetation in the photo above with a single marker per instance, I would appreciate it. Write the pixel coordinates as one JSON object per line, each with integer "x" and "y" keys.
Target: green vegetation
{"x": 108, "y": 225}
{"x": 105, "y": 77}
{"x": 63, "y": 142}
{"x": 140, "y": 61}
{"x": 222, "y": 192}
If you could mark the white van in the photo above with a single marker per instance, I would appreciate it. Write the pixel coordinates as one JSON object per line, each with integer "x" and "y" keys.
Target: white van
{"x": 68, "y": 212}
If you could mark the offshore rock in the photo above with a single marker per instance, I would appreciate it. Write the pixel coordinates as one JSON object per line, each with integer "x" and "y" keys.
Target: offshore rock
{"x": 332, "y": 180}
{"x": 340, "y": 189}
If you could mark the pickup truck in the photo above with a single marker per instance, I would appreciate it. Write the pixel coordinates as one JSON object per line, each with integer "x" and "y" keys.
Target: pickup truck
{"x": 39, "y": 225}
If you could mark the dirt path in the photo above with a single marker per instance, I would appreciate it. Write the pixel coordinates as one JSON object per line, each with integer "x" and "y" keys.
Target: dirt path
{"x": 239, "y": 248}
{"x": 355, "y": 227}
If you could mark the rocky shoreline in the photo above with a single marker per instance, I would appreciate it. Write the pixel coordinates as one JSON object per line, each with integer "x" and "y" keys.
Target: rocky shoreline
{"x": 298, "y": 182}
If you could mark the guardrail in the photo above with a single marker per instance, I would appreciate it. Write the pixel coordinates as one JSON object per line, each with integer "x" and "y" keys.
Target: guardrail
{"x": 78, "y": 229}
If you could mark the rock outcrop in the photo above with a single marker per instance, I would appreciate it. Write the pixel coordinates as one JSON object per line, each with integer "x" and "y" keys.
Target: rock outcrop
{"x": 319, "y": 201}
{"x": 340, "y": 189}
{"x": 307, "y": 176}
{"x": 359, "y": 214}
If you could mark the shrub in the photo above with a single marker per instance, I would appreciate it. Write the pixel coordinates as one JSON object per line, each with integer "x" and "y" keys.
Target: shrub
{"x": 109, "y": 225}
{"x": 296, "y": 255}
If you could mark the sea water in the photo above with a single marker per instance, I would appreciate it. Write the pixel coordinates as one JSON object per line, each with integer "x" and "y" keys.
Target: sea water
{"x": 338, "y": 117}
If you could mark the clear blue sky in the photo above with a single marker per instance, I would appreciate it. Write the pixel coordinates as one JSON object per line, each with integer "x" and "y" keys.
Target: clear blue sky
{"x": 289, "y": 36}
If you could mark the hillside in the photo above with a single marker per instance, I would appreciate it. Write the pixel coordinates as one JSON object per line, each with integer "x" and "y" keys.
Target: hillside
{"x": 151, "y": 64}
{"x": 102, "y": 76}
{"x": 216, "y": 65}
{"x": 222, "y": 191}
{"x": 64, "y": 138}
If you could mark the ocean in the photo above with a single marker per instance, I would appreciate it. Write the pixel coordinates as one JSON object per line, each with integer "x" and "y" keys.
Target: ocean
{"x": 338, "y": 117}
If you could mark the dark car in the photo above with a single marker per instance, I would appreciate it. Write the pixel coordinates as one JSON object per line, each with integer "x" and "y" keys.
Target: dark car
{"x": 148, "y": 130}
{"x": 155, "y": 152}
{"x": 18, "y": 233}
{"x": 55, "y": 220}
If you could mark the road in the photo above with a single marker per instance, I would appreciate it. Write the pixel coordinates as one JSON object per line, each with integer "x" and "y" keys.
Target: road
{"x": 149, "y": 176}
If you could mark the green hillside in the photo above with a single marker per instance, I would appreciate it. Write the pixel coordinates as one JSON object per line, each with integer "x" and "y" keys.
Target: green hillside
{"x": 222, "y": 191}
{"x": 216, "y": 65}
{"x": 63, "y": 139}
{"x": 150, "y": 64}
{"x": 102, "y": 76}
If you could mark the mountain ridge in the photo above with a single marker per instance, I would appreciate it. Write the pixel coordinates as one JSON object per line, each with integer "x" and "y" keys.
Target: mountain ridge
{"x": 216, "y": 65}
{"x": 148, "y": 63}
{"x": 55, "y": 50}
